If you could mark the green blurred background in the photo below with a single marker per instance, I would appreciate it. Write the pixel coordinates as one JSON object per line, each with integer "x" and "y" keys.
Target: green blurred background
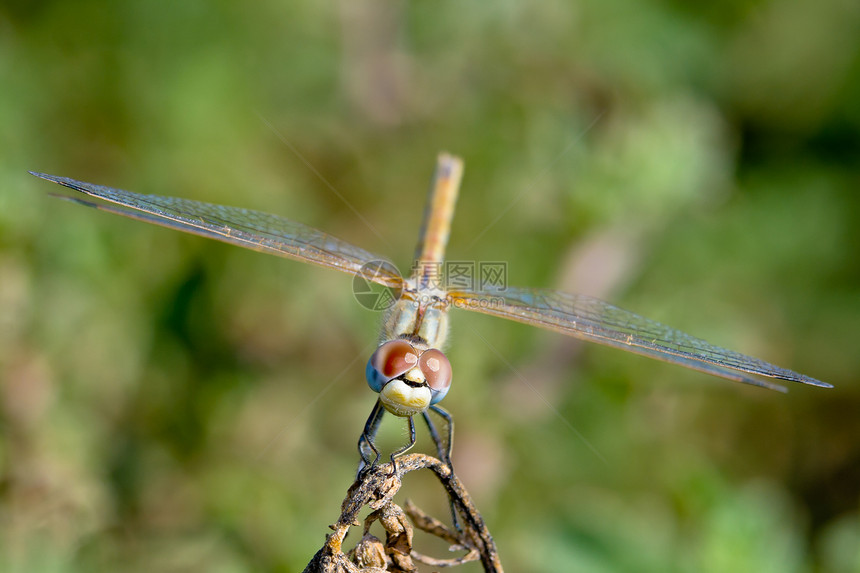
{"x": 174, "y": 404}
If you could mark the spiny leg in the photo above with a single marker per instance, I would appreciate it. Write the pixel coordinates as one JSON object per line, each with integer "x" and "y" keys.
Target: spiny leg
{"x": 371, "y": 427}
{"x": 400, "y": 451}
{"x": 444, "y": 453}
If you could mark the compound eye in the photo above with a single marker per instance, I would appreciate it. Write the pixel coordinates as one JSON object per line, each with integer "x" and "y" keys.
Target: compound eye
{"x": 437, "y": 371}
{"x": 390, "y": 360}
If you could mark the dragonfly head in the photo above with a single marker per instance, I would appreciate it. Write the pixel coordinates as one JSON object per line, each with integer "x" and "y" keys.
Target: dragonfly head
{"x": 408, "y": 380}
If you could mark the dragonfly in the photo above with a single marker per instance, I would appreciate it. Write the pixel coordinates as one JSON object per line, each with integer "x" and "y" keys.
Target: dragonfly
{"x": 409, "y": 370}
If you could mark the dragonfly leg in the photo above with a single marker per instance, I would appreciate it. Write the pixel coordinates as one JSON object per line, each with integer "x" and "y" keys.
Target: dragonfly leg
{"x": 365, "y": 441}
{"x": 400, "y": 451}
{"x": 444, "y": 452}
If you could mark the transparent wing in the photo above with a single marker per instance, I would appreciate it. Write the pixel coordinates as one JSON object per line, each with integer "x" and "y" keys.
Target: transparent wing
{"x": 597, "y": 321}
{"x": 250, "y": 229}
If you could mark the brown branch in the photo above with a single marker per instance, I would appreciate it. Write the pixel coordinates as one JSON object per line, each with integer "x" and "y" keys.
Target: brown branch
{"x": 375, "y": 490}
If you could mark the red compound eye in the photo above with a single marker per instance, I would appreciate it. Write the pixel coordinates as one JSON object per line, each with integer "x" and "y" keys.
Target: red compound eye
{"x": 436, "y": 369}
{"x": 394, "y": 358}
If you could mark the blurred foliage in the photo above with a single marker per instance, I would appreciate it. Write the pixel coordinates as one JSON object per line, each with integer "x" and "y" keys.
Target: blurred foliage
{"x": 174, "y": 404}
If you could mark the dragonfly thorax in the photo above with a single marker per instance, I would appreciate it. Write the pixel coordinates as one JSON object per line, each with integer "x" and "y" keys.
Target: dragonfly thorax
{"x": 419, "y": 320}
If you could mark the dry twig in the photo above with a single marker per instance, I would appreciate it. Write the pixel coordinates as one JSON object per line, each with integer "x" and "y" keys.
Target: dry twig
{"x": 376, "y": 489}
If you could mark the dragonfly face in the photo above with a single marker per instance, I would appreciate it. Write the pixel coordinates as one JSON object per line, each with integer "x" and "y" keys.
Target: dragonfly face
{"x": 408, "y": 377}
